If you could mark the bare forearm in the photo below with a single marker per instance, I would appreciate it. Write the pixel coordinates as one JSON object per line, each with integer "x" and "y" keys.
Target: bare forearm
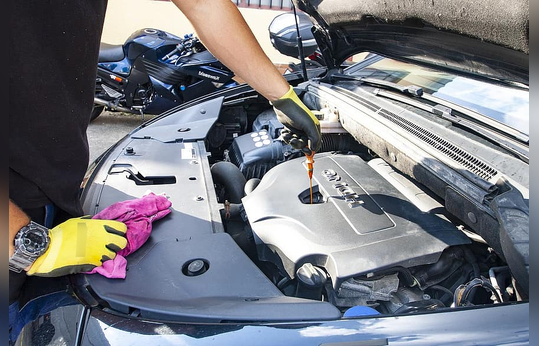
{"x": 222, "y": 29}
{"x": 17, "y": 219}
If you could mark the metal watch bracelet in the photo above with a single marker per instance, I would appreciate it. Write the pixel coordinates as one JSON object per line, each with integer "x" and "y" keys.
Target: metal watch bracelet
{"x": 19, "y": 261}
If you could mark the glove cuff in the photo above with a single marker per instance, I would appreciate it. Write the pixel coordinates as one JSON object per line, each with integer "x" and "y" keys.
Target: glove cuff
{"x": 46, "y": 260}
{"x": 291, "y": 95}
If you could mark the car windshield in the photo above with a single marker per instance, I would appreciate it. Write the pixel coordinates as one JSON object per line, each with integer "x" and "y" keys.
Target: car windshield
{"x": 504, "y": 104}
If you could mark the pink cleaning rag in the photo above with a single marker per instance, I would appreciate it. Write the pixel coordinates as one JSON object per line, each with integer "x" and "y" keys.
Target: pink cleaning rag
{"x": 138, "y": 215}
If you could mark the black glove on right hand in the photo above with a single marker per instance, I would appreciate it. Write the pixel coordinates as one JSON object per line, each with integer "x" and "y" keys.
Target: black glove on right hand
{"x": 302, "y": 128}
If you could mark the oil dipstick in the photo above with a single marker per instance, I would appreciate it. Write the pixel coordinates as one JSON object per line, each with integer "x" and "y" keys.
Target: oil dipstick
{"x": 310, "y": 162}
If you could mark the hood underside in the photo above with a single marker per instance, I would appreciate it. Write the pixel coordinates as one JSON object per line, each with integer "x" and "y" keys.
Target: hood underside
{"x": 486, "y": 38}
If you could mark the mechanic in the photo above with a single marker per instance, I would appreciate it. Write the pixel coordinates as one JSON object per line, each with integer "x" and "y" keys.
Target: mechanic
{"x": 53, "y": 63}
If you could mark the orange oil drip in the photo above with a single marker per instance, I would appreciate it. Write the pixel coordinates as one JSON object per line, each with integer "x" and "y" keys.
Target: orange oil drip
{"x": 310, "y": 162}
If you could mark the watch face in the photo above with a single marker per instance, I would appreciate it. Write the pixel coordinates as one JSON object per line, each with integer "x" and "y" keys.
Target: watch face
{"x": 33, "y": 241}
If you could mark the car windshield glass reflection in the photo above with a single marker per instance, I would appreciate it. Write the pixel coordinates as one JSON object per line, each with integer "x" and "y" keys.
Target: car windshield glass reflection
{"x": 507, "y": 105}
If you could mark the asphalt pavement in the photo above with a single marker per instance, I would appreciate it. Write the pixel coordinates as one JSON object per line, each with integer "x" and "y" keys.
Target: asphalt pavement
{"x": 109, "y": 128}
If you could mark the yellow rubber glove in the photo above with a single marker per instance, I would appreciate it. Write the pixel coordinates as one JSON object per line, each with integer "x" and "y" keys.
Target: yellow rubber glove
{"x": 78, "y": 245}
{"x": 302, "y": 128}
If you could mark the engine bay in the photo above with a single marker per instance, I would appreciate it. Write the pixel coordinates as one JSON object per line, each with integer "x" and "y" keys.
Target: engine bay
{"x": 373, "y": 241}
{"x": 361, "y": 242}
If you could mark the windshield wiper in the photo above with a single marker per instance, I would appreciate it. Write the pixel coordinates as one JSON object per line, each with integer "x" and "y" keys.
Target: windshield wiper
{"x": 447, "y": 113}
{"x": 413, "y": 94}
{"x": 417, "y": 91}
{"x": 405, "y": 89}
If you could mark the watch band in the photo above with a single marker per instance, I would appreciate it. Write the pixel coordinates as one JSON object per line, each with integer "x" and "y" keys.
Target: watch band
{"x": 19, "y": 261}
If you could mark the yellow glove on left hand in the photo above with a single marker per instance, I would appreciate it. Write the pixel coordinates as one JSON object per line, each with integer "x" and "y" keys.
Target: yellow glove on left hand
{"x": 78, "y": 245}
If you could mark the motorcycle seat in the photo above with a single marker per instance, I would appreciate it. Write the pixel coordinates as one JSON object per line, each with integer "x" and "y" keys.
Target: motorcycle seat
{"x": 110, "y": 52}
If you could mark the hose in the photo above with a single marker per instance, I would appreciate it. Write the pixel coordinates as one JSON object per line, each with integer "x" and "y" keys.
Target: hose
{"x": 447, "y": 263}
{"x": 443, "y": 289}
{"x": 230, "y": 176}
{"x": 283, "y": 282}
{"x": 470, "y": 258}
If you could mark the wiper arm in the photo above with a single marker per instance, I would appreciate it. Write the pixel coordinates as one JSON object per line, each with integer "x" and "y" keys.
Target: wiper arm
{"x": 417, "y": 91}
{"x": 405, "y": 89}
{"x": 447, "y": 113}
{"x": 509, "y": 131}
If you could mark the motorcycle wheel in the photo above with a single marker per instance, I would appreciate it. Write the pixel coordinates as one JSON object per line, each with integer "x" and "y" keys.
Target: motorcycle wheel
{"x": 96, "y": 111}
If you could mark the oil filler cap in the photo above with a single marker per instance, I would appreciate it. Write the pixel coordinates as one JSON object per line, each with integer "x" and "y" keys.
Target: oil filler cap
{"x": 311, "y": 276}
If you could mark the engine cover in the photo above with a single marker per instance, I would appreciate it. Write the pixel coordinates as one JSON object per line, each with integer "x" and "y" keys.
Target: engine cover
{"x": 359, "y": 223}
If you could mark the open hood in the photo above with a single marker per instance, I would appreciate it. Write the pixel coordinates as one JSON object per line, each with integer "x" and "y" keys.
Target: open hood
{"x": 488, "y": 39}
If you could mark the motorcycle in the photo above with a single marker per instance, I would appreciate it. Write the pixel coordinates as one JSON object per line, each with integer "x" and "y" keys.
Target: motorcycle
{"x": 154, "y": 71}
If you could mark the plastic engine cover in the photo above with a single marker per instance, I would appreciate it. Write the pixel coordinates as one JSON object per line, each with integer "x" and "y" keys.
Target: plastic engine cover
{"x": 358, "y": 222}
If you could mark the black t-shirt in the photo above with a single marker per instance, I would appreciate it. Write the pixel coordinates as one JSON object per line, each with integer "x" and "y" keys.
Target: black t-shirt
{"x": 53, "y": 52}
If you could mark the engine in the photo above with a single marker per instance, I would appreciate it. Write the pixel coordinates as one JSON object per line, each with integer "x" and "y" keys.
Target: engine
{"x": 358, "y": 222}
{"x": 370, "y": 237}
{"x": 358, "y": 225}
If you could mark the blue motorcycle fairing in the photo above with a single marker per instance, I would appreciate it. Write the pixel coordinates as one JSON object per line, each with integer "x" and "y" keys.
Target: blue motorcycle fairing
{"x": 148, "y": 80}
{"x": 122, "y": 67}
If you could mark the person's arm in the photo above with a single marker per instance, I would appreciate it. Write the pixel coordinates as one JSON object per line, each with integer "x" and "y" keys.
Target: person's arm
{"x": 222, "y": 29}
{"x": 224, "y": 32}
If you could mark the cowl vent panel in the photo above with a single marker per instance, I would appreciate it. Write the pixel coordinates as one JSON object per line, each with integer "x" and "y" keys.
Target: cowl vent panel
{"x": 467, "y": 160}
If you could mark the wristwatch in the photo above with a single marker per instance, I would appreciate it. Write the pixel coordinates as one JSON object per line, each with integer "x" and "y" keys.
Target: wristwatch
{"x": 31, "y": 241}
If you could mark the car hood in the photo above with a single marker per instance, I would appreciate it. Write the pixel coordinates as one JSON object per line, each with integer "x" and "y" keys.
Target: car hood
{"x": 488, "y": 39}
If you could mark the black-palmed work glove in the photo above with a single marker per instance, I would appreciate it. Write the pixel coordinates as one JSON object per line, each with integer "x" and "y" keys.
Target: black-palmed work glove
{"x": 79, "y": 245}
{"x": 301, "y": 127}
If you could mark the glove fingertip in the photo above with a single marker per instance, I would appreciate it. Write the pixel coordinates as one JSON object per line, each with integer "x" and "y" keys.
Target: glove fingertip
{"x": 307, "y": 151}
{"x": 119, "y": 242}
{"x": 105, "y": 258}
{"x": 114, "y": 247}
{"x": 316, "y": 146}
{"x": 112, "y": 230}
{"x": 294, "y": 142}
